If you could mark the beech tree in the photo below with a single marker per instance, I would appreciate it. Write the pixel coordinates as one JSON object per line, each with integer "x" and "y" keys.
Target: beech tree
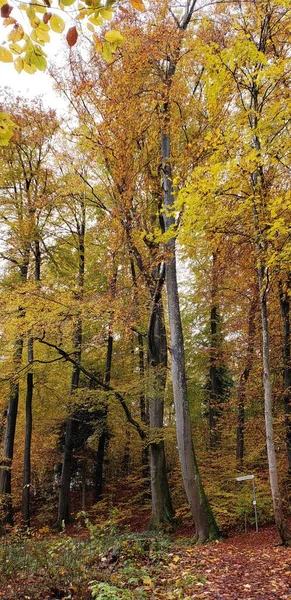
{"x": 253, "y": 72}
{"x": 26, "y": 201}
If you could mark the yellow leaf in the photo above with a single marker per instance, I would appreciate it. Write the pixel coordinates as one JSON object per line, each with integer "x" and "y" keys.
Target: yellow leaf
{"x": 16, "y": 34}
{"x": 16, "y": 48}
{"x": 18, "y": 64}
{"x": 106, "y": 14}
{"x": 96, "y": 20}
{"x": 29, "y": 68}
{"x": 147, "y": 581}
{"x": 106, "y": 52}
{"x": 138, "y": 5}
{"x": 5, "y": 55}
{"x": 176, "y": 558}
{"x": 114, "y": 37}
{"x": 57, "y": 24}
{"x": 7, "y": 127}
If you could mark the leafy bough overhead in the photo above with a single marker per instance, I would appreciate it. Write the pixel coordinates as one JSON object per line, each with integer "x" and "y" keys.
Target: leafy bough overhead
{"x": 29, "y": 26}
{"x": 30, "y": 32}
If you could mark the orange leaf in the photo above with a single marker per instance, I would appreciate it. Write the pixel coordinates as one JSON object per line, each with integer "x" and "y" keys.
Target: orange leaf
{"x": 72, "y": 36}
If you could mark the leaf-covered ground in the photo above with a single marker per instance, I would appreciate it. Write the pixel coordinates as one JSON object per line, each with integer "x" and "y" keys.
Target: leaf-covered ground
{"x": 248, "y": 566}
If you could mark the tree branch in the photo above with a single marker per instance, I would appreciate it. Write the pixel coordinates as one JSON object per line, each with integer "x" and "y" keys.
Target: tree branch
{"x": 108, "y": 388}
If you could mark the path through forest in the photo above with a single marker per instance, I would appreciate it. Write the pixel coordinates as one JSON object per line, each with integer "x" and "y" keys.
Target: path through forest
{"x": 250, "y": 567}
{"x": 242, "y": 567}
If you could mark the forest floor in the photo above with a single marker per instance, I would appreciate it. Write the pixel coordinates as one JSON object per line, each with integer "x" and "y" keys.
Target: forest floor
{"x": 250, "y": 566}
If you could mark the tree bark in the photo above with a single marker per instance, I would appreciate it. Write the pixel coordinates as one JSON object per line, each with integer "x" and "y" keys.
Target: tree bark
{"x": 284, "y": 291}
{"x": 63, "y": 506}
{"x": 162, "y": 509}
{"x": 272, "y": 461}
{"x": 244, "y": 376}
{"x": 144, "y": 409}
{"x": 215, "y": 377}
{"x": 205, "y": 524}
{"x": 27, "y": 442}
{"x": 26, "y": 491}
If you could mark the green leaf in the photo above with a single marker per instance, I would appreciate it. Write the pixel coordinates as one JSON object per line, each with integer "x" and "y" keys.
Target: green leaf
{"x": 114, "y": 37}
{"x": 57, "y": 24}
{"x": 107, "y": 51}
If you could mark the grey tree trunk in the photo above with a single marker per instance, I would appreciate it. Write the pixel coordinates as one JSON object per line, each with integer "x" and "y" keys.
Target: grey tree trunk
{"x": 240, "y": 430}
{"x": 272, "y": 461}
{"x": 284, "y": 291}
{"x": 162, "y": 509}
{"x": 205, "y": 524}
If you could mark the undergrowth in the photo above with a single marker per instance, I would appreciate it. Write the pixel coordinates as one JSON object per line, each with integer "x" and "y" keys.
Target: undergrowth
{"x": 104, "y": 565}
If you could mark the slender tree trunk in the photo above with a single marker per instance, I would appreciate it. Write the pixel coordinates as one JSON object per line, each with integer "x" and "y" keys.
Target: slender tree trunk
{"x": 63, "y": 507}
{"x": 273, "y": 472}
{"x": 215, "y": 383}
{"x": 261, "y": 243}
{"x": 103, "y": 439}
{"x": 205, "y": 524}
{"x": 8, "y": 446}
{"x": 99, "y": 464}
{"x": 284, "y": 291}
{"x": 244, "y": 376}
{"x": 144, "y": 409}
{"x": 26, "y": 491}
{"x": 143, "y": 404}
{"x": 162, "y": 509}
{"x": 84, "y": 486}
{"x": 27, "y": 442}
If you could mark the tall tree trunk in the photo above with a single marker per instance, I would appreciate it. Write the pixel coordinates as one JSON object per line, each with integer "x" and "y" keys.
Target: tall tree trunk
{"x": 261, "y": 244}
{"x": 205, "y": 524}
{"x": 143, "y": 404}
{"x": 162, "y": 509}
{"x": 8, "y": 446}
{"x": 272, "y": 461}
{"x": 27, "y": 442}
{"x": 63, "y": 508}
{"x": 244, "y": 376}
{"x": 215, "y": 382}
{"x": 64, "y": 489}
{"x": 26, "y": 491}
{"x": 284, "y": 291}
{"x": 144, "y": 410}
{"x": 103, "y": 439}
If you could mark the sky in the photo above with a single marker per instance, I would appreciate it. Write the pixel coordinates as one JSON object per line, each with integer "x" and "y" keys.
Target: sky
{"x": 39, "y": 83}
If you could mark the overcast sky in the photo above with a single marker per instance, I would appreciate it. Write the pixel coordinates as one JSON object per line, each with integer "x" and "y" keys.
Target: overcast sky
{"x": 38, "y": 83}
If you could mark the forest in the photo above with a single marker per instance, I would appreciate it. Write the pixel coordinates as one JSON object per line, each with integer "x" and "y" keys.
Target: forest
{"x": 145, "y": 291}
